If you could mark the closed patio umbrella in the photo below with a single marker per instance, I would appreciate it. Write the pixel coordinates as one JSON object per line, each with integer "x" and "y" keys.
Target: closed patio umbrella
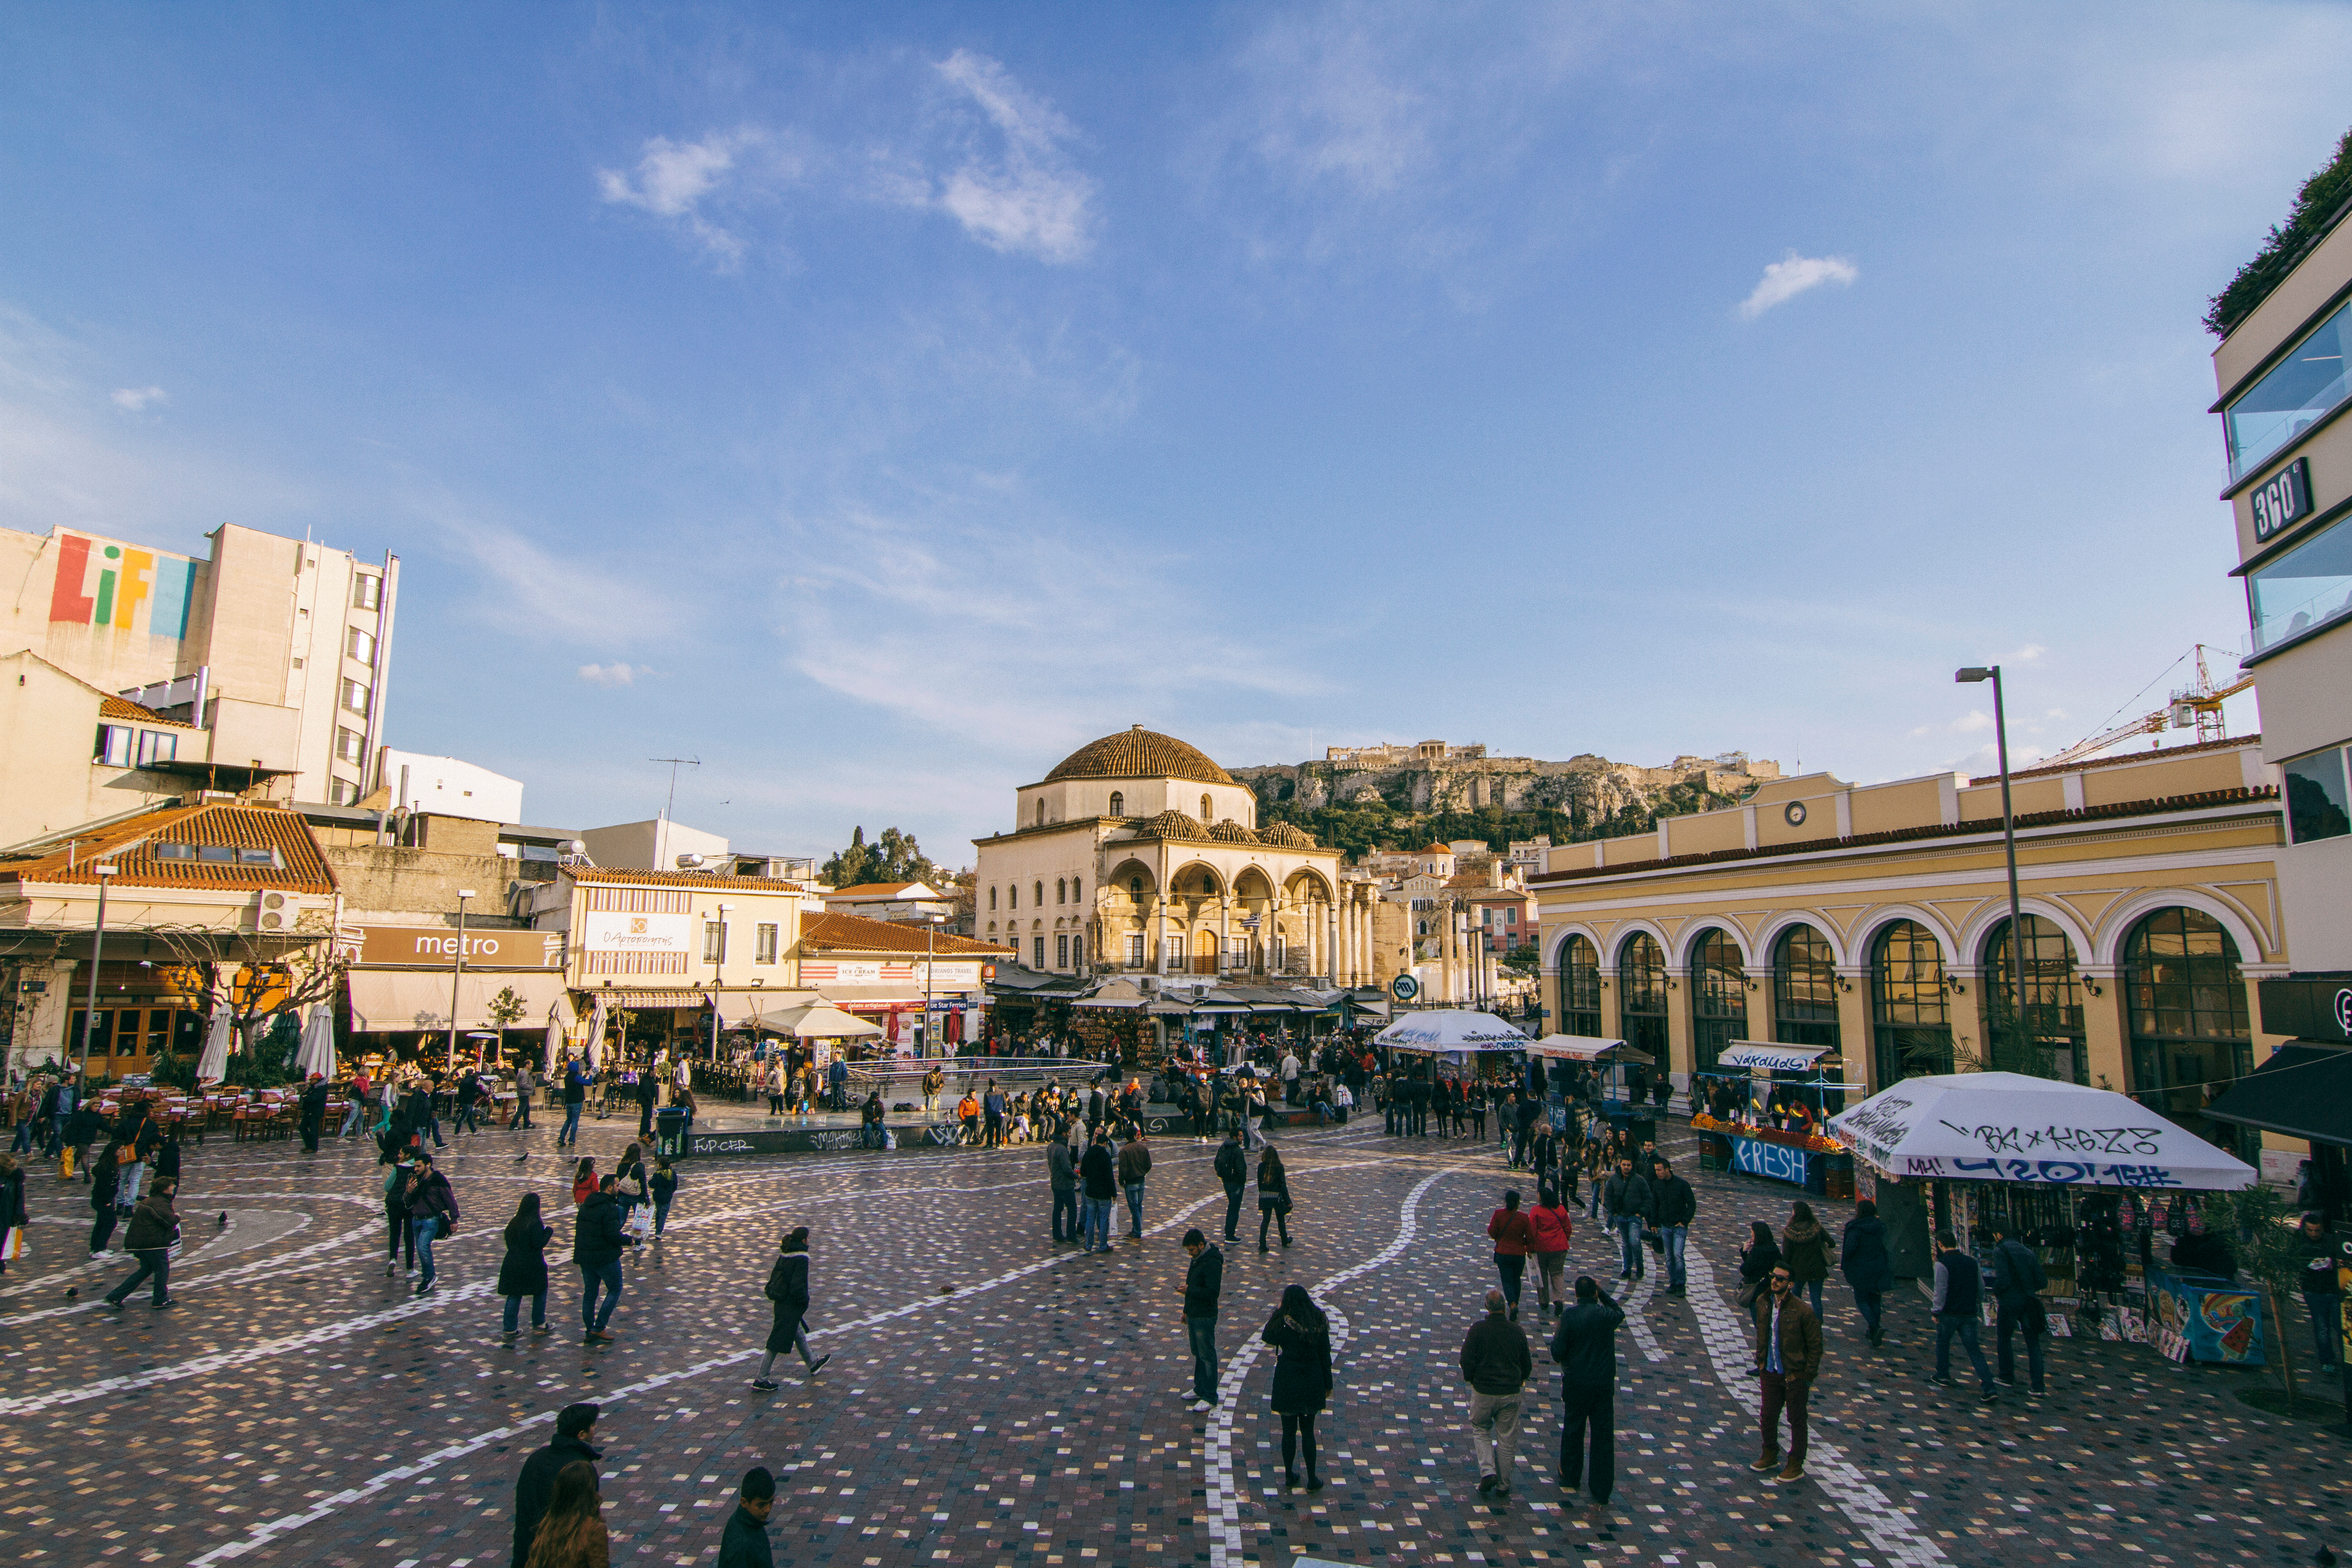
{"x": 554, "y": 1042}
{"x": 213, "y": 1066}
{"x": 596, "y": 1035}
{"x": 317, "y": 1052}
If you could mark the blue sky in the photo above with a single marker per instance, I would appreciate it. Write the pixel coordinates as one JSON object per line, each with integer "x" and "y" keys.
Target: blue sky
{"x": 878, "y": 401}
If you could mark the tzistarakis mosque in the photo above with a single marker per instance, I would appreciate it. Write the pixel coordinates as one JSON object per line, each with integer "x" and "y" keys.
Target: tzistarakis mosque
{"x": 1139, "y": 856}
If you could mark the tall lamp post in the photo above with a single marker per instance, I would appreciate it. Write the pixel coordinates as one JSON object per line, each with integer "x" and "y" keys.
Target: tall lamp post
{"x": 457, "y": 974}
{"x": 1972, "y": 674}
{"x": 931, "y": 960}
{"x": 717, "y": 976}
{"x": 103, "y": 870}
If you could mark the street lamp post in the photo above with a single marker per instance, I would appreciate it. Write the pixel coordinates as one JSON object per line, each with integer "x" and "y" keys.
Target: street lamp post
{"x": 103, "y": 870}
{"x": 930, "y": 961}
{"x": 1972, "y": 674}
{"x": 717, "y": 976}
{"x": 457, "y": 974}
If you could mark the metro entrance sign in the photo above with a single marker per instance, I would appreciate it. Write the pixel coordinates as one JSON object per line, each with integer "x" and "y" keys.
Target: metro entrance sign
{"x": 1404, "y": 988}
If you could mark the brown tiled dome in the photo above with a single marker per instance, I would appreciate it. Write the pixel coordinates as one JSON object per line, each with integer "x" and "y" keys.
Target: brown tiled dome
{"x": 1287, "y": 835}
{"x": 1172, "y": 824}
{"x": 1138, "y": 753}
{"x": 1232, "y": 832}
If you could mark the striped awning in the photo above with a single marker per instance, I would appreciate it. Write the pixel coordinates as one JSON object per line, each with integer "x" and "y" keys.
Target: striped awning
{"x": 642, "y": 1001}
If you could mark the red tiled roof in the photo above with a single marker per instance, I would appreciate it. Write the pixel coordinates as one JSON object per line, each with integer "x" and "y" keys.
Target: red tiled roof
{"x": 123, "y": 708}
{"x": 2201, "y": 801}
{"x": 610, "y": 875}
{"x": 856, "y": 933}
{"x": 867, "y": 890}
{"x": 129, "y": 843}
{"x": 2154, "y": 755}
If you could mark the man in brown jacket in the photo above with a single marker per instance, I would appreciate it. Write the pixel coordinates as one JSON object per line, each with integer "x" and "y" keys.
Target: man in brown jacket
{"x": 153, "y": 1228}
{"x": 1788, "y": 1358}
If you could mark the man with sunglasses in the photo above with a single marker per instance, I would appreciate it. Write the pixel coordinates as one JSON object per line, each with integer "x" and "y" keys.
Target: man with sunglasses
{"x": 1788, "y": 1358}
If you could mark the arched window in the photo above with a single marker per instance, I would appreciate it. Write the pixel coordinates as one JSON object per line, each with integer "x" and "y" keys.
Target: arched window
{"x": 2052, "y": 1038}
{"x": 1804, "y": 989}
{"x": 1579, "y": 987}
{"x": 1041, "y": 812}
{"x": 1061, "y": 890}
{"x": 1135, "y": 889}
{"x": 1908, "y": 1012}
{"x": 1077, "y": 883}
{"x": 1012, "y": 895}
{"x": 2189, "y": 1037}
{"x": 1039, "y": 901}
{"x": 1641, "y": 996}
{"x": 1718, "y": 998}
{"x": 1207, "y": 809}
{"x": 991, "y": 898}
{"x": 1118, "y": 803}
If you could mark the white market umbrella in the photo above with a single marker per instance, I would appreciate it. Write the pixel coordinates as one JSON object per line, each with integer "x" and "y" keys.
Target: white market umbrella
{"x": 2007, "y": 1126}
{"x": 596, "y": 1035}
{"x": 317, "y": 1052}
{"x": 1452, "y": 1029}
{"x": 554, "y": 1042}
{"x": 815, "y": 1021}
{"x": 213, "y": 1066}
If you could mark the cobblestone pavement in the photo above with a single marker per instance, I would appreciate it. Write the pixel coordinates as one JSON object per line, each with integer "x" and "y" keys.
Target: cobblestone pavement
{"x": 995, "y": 1399}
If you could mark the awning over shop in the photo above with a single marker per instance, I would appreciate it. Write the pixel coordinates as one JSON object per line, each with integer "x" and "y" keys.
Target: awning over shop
{"x": 1164, "y": 1008}
{"x": 1113, "y": 993}
{"x": 645, "y": 1001}
{"x": 881, "y": 998}
{"x": 1775, "y": 1058}
{"x": 391, "y": 1000}
{"x": 2007, "y": 1127}
{"x": 814, "y": 1021}
{"x": 1580, "y": 1048}
{"x": 1452, "y": 1029}
{"x": 2304, "y": 1090}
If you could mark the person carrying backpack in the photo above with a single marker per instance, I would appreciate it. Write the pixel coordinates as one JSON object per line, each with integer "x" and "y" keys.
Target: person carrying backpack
{"x": 2017, "y": 1281}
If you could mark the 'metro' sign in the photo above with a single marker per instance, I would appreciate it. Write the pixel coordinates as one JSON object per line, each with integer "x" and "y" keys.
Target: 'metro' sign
{"x": 102, "y": 585}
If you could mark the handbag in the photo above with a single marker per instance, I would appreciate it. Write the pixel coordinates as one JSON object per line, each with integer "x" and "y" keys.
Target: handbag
{"x": 1748, "y": 1292}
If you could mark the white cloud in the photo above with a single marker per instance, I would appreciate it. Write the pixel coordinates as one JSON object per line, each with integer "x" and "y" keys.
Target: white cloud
{"x": 1784, "y": 279}
{"x": 136, "y": 399}
{"x": 1031, "y": 200}
{"x": 611, "y": 675}
{"x": 1335, "y": 111}
{"x": 672, "y": 180}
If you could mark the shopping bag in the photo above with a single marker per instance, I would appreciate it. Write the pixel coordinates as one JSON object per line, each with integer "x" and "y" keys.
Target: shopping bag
{"x": 13, "y": 1247}
{"x": 641, "y": 1223}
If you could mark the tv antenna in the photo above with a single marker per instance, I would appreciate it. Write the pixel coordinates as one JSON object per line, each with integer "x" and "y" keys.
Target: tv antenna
{"x": 674, "y": 763}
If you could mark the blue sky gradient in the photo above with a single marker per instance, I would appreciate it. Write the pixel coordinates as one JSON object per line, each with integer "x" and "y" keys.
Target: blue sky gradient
{"x": 878, "y": 401}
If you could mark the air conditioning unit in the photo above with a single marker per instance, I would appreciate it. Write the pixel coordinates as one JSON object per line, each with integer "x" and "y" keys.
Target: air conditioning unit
{"x": 273, "y": 900}
{"x": 272, "y": 921}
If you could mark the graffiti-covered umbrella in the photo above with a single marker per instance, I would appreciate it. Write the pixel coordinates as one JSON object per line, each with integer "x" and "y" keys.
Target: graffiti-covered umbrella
{"x": 2007, "y": 1126}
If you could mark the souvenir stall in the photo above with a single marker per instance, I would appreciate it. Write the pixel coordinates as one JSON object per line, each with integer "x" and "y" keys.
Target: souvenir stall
{"x": 1608, "y": 1061}
{"x": 1765, "y": 1106}
{"x": 1457, "y": 1041}
{"x": 2104, "y": 1189}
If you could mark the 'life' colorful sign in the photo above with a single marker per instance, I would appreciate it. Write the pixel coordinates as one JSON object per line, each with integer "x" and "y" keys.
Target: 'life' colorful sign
{"x": 102, "y": 585}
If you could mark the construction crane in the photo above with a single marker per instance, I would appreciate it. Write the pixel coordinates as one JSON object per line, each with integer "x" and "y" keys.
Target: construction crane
{"x": 2197, "y": 706}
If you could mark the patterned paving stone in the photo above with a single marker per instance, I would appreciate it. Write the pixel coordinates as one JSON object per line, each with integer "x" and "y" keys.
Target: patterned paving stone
{"x": 996, "y": 1399}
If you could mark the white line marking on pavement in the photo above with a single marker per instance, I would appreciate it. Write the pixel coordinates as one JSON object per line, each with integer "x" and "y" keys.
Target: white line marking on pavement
{"x": 1223, "y": 1498}
{"x": 1636, "y": 1302}
{"x": 271, "y": 1530}
{"x": 1889, "y": 1528}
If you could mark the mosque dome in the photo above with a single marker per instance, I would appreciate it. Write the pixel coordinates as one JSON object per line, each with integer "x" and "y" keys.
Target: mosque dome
{"x": 1140, "y": 754}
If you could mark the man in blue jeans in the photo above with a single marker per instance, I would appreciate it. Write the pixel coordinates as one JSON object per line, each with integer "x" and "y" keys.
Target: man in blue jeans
{"x": 575, "y": 1092}
{"x": 596, "y": 1248}
{"x": 432, "y": 1212}
{"x": 1959, "y": 1298}
{"x": 1627, "y": 1198}
{"x": 1675, "y": 1205}
{"x": 1098, "y": 1176}
{"x": 1204, "y": 1280}
{"x": 1134, "y": 1166}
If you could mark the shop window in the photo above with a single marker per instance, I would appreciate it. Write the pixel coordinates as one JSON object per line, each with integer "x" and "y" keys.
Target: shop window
{"x": 117, "y": 745}
{"x": 1579, "y": 987}
{"x": 2315, "y": 801}
{"x": 2292, "y": 398}
{"x": 763, "y": 944}
{"x": 2052, "y": 1012}
{"x": 2307, "y": 586}
{"x": 100, "y": 1027}
{"x": 2189, "y": 1033}
{"x": 1718, "y": 998}
{"x": 1804, "y": 989}
{"x": 1118, "y": 803}
{"x": 359, "y": 645}
{"x": 1910, "y": 1015}
{"x": 367, "y": 592}
{"x": 1641, "y": 996}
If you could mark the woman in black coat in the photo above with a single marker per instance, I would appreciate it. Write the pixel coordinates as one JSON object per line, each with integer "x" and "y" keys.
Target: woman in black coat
{"x": 12, "y": 1206}
{"x": 1301, "y": 1335}
{"x": 788, "y": 1287}
{"x": 524, "y": 1271}
{"x": 1273, "y": 1197}
{"x": 1757, "y": 1261}
{"x": 1867, "y": 1267}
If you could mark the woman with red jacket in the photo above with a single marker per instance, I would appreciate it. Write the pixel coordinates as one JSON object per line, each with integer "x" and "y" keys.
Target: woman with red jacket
{"x": 1514, "y": 1237}
{"x": 1551, "y": 1228}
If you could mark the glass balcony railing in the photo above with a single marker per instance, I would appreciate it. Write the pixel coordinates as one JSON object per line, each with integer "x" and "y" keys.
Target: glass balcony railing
{"x": 2299, "y": 392}
{"x": 2307, "y": 586}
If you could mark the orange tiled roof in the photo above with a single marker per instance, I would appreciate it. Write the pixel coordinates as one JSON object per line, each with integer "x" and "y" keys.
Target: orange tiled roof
{"x": 868, "y": 890}
{"x": 856, "y": 933}
{"x": 123, "y": 708}
{"x": 612, "y": 874}
{"x": 1138, "y": 753}
{"x": 129, "y": 845}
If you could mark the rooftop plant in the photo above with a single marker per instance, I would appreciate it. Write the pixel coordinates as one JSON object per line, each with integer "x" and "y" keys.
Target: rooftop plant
{"x": 2317, "y": 206}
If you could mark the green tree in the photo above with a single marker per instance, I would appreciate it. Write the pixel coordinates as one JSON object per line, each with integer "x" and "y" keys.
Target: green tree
{"x": 1523, "y": 959}
{"x": 2316, "y": 205}
{"x": 894, "y": 857}
{"x": 2262, "y": 1228}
